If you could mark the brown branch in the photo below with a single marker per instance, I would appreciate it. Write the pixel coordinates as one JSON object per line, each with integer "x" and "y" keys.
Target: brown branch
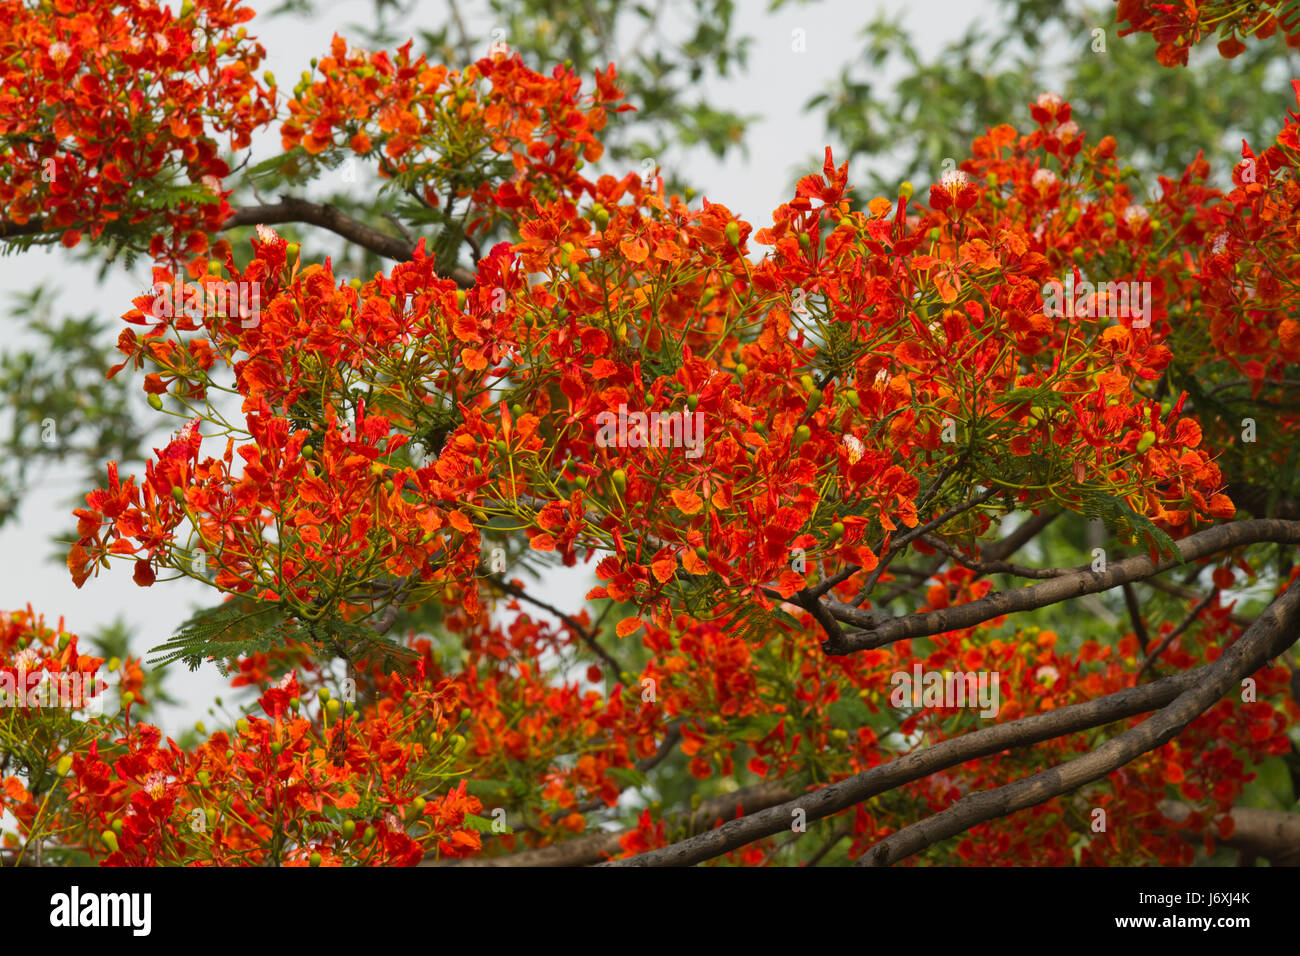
{"x": 994, "y": 567}
{"x": 1135, "y": 615}
{"x": 646, "y": 764}
{"x": 587, "y": 636}
{"x": 1274, "y": 631}
{"x": 896, "y": 546}
{"x": 32, "y": 227}
{"x": 1188, "y": 594}
{"x": 1212, "y": 540}
{"x": 846, "y": 793}
{"x": 1169, "y": 638}
{"x": 592, "y": 849}
{"x": 1271, "y": 834}
{"x": 830, "y": 844}
{"x": 292, "y": 209}
{"x": 1028, "y": 530}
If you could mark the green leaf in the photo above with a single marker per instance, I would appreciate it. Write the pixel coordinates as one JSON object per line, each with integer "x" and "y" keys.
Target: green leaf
{"x": 482, "y": 824}
{"x": 1271, "y": 789}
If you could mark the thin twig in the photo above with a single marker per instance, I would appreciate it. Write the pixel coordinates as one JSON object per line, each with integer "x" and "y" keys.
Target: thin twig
{"x": 1169, "y": 638}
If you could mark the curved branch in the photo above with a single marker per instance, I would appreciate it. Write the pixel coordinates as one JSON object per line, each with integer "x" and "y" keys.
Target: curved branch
{"x": 839, "y": 796}
{"x": 592, "y": 849}
{"x": 292, "y": 209}
{"x": 1270, "y": 635}
{"x": 588, "y": 637}
{"x": 1212, "y": 540}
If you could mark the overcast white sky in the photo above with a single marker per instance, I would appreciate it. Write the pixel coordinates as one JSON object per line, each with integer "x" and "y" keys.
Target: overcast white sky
{"x": 777, "y": 84}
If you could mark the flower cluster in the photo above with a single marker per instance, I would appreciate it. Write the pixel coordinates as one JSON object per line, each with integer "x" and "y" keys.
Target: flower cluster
{"x": 1177, "y": 27}
{"x": 104, "y": 104}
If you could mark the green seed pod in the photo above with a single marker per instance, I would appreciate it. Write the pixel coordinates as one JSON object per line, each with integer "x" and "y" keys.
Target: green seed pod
{"x": 619, "y": 479}
{"x": 155, "y": 401}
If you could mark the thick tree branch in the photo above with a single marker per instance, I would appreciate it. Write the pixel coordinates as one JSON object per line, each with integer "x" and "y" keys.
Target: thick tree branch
{"x": 592, "y": 849}
{"x": 1271, "y": 834}
{"x": 876, "y": 633}
{"x": 1275, "y": 630}
{"x": 292, "y": 209}
{"x": 839, "y": 796}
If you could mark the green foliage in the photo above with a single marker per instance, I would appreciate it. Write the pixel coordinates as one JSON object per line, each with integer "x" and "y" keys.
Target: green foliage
{"x": 1160, "y": 117}
{"x": 59, "y": 407}
{"x": 244, "y": 626}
